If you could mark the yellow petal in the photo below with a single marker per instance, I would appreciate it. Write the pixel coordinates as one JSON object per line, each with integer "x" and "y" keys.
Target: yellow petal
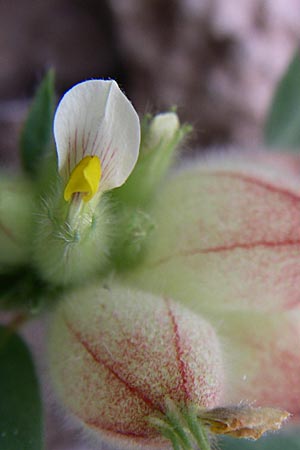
{"x": 85, "y": 178}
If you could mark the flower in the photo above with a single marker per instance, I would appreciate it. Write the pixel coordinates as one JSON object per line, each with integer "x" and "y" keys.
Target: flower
{"x": 121, "y": 357}
{"x": 142, "y": 367}
{"x": 97, "y": 135}
{"x": 227, "y": 245}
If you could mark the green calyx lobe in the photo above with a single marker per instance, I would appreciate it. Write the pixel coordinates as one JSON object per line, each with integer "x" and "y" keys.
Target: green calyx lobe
{"x": 134, "y": 226}
{"x": 182, "y": 427}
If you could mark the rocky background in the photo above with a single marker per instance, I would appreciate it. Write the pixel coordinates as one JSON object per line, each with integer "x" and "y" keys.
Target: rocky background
{"x": 217, "y": 60}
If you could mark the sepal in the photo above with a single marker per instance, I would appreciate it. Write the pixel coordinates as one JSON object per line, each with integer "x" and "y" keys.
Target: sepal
{"x": 133, "y": 229}
{"x": 71, "y": 244}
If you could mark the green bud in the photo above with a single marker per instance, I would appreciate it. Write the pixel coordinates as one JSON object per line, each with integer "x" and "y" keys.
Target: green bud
{"x": 162, "y": 129}
{"x": 16, "y": 206}
{"x": 71, "y": 241}
{"x": 161, "y": 136}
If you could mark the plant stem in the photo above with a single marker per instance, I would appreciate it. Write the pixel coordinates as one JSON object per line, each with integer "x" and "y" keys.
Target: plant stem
{"x": 175, "y": 420}
{"x": 169, "y": 434}
{"x": 197, "y": 429}
{"x": 182, "y": 427}
{"x": 167, "y": 429}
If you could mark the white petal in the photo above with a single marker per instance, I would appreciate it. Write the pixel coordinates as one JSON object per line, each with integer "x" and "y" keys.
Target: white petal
{"x": 96, "y": 118}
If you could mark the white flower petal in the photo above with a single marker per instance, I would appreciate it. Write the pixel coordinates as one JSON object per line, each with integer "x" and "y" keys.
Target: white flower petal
{"x": 96, "y": 118}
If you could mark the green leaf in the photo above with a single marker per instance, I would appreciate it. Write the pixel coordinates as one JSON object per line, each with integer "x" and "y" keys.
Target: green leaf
{"x": 288, "y": 440}
{"x": 20, "y": 404}
{"x": 37, "y": 131}
{"x": 282, "y": 128}
{"x": 22, "y": 289}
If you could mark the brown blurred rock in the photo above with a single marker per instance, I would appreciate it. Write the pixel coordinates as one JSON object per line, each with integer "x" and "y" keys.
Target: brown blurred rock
{"x": 218, "y": 60}
{"x": 12, "y": 115}
{"x": 73, "y": 36}
{"x": 76, "y": 37}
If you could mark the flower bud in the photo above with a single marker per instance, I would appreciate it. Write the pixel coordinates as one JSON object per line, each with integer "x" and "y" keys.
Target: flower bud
{"x": 16, "y": 205}
{"x": 162, "y": 129}
{"x": 119, "y": 357}
{"x": 226, "y": 244}
{"x": 161, "y": 137}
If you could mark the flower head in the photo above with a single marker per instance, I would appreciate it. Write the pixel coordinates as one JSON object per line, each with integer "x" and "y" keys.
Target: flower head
{"x": 97, "y": 135}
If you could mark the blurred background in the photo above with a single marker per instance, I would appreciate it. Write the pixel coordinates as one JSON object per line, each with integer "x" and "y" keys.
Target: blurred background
{"x": 217, "y": 60}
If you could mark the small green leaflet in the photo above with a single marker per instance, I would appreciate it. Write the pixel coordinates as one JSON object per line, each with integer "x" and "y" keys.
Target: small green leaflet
{"x": 36, "y": 134}
{"x": 21, "y": 424}
{"x": 282, "y": 128}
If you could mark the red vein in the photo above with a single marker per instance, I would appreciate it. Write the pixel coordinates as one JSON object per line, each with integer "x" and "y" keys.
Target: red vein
{"x": 95, "y": 140}
{"x": 258, "y": 182}
{"x": 225, "y": 248}
{"x": 109, "y": 162}
{"x": 134, "y": 390}
{"x": 235, "y": 246}
{"x": 247, "y": 246}
{"x": 69, "y": 163}
{"x": 82, "y": 142}
{"x": 105, "y": 153}
{"x": 75, "y": 145}
{"x": 86, "y": 144}
{"x": 179, "y": 352}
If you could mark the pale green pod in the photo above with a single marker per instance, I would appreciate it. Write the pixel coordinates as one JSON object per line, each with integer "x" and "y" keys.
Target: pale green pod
{"x": 118, "y": 356}
{"x": 227, "y": 232}
{"x": 227, "y": 245}
{"x": 16, "y": 207}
